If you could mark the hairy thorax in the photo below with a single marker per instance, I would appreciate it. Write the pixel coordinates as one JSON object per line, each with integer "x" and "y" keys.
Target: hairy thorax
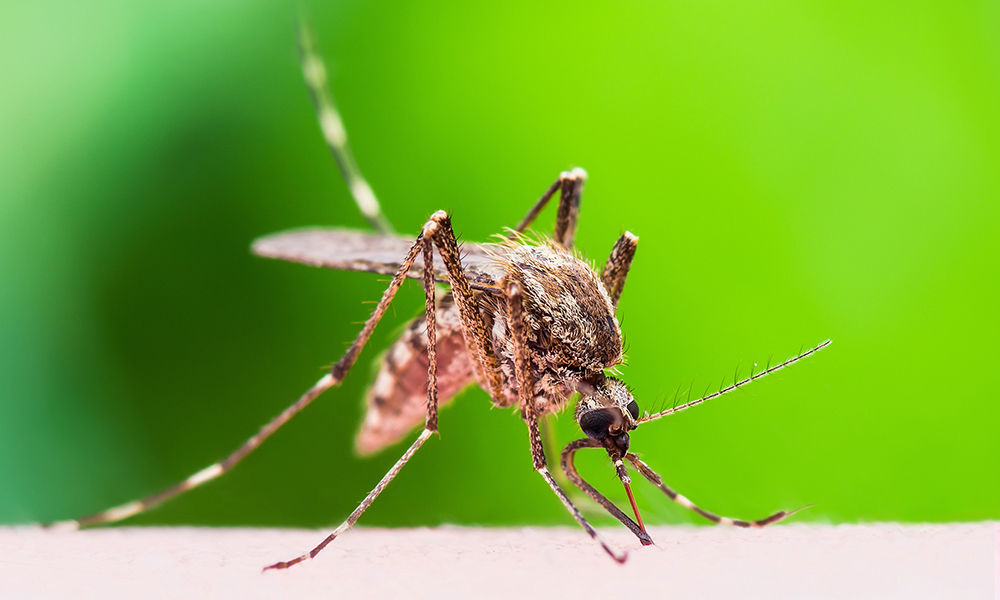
{"x": 573, "y": 334}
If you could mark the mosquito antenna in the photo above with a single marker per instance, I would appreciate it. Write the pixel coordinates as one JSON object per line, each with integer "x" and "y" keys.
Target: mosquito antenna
{"x": 736, "y": 384}
{"x": 673, "y": 399}
{"x": 335, "y": 134}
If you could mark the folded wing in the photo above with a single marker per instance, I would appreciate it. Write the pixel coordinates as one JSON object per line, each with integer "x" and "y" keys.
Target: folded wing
{"x": 371, "y": 253}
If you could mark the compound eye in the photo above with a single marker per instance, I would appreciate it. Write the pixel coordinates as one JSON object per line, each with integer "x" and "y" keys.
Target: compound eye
{"x": 633, "y": 409}
{"x": 596, "y": 423}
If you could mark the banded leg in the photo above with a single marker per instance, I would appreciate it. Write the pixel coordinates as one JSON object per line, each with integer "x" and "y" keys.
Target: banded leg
{"x": 369, "y": 499}
{"x": 570, "y": 186}
{"x": 335, "y": 134}
{"x": 430, "y": 426}
{"x": 547, "y": 424}
{"x": 616, "y": 270}
{"x": 570, "y": 469}
{"x": 474, "y": 328}
{"x": 336, "y": 375}
{"x": 525, "y": 390}
{"x": 656, "y": 480}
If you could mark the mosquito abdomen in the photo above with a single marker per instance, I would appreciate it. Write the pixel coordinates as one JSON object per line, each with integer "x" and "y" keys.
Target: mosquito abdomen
{"x": 397, "y": 402}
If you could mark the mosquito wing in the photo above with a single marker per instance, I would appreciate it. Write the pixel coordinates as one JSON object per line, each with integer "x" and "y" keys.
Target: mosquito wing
{"x": 371, "y": 253}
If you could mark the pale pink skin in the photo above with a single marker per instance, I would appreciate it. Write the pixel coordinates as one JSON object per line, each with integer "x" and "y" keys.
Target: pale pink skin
{"x": 790, "y": 561}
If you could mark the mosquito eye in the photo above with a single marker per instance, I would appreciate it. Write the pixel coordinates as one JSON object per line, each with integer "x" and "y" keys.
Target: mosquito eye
{"x": 595, "y": 423}
{"x": 633, "y": 409}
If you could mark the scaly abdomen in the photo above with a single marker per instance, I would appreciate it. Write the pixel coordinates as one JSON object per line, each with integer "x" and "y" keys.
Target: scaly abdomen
{"x": 397, "y": 401}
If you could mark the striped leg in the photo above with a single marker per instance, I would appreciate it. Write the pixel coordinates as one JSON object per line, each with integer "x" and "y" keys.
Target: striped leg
{"x": 353, "y": 518}
{"x": 208, "y": 473}
{"x": 331, "y": 379}
{"x": 656, "y": 480}
{"x": 478, "y": 339}
{"x": 430, "y": 426}
{"x": 570, "y": 469}
{"x": 570, "y": 186}
{"x": 335, "y": 134}
{"x": 529, "y": 414}
{"x": 616, "y": 270}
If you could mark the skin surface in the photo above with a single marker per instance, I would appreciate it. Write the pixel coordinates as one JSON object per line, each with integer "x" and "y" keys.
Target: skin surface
{"x": 789, "y": 561}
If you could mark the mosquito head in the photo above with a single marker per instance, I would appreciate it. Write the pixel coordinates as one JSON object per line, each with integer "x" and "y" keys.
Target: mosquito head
{"x": 606, "y": 413}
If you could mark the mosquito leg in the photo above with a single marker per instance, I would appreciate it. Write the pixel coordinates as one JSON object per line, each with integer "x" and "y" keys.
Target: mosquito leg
{"x": 336, "y": 375}
{"x": 619, "y": 557}
{"x": 353, "y": 518}
{"x": 525, "y": 389}
{"x": 205, "y": 475}
{"x": 539, "y": 205}
{"x": 569, "y": 206}
{"x": 522, "y": 372}
{"x": 547, "y": 423}
{"x": 430, "y": 426}
{"x": 335, "y": 135}
{"x": 570, "y": 186}
{"x": 656, "y": 480}
{"x": 570, "y": 469}
{"x": 475, "y": 329}
{"x": 616, "y": 270}
{"x": 430, "y": 316}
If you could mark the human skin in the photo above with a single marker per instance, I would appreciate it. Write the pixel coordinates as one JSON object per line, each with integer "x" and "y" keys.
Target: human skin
{"x": 795, "y": 560}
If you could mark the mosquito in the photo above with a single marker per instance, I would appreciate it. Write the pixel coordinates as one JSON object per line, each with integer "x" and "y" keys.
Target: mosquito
{"x": 525, "y": 318}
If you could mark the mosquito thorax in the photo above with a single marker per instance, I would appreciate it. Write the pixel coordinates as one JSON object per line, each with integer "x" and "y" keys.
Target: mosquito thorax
{"x": 606, "y": 413}
{"x": 567, "y": 307}
{"x": 572, "y": 329}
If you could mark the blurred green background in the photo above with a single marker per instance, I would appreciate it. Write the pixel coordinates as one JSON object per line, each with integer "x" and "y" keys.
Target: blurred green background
{"x": 795, "y": 171}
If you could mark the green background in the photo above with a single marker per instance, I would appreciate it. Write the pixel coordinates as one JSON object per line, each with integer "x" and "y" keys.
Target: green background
{"x": 795, "y": 171}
